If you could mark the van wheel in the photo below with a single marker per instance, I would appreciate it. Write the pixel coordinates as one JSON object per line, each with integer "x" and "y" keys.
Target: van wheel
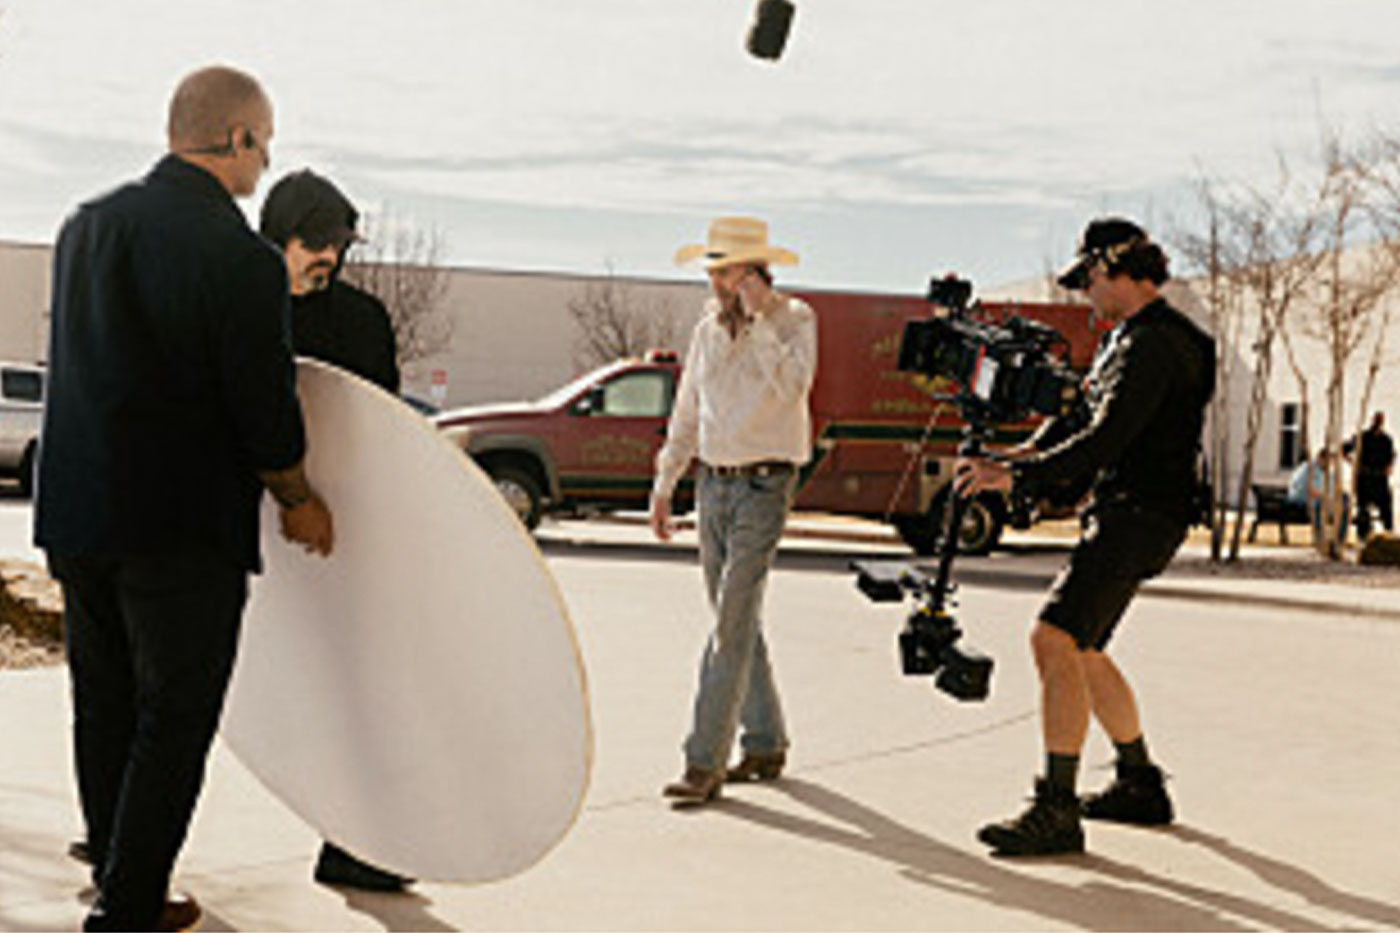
{"x": 981, "y": 528}
{"x": 26, "y": 472}
{"x": 521, "y": 492}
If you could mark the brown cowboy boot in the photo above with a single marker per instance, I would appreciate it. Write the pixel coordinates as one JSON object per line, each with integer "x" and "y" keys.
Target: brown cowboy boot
{"x": 757, "y": 766}
{"x": 697, "y": 786}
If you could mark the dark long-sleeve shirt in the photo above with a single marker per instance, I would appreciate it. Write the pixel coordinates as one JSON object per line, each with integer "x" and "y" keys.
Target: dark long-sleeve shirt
{"x": 171, "y": 382}
{"x": 350, "y": 328}
{"x": 1147, "y": 394}
{"x": 1377, "y": 452}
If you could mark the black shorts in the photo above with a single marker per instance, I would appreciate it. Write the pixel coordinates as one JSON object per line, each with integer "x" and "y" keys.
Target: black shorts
{"x": 1119, "y": 549}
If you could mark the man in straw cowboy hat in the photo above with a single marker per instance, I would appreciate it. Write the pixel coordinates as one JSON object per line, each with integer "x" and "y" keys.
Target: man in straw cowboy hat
{"x": 741, "y": 408}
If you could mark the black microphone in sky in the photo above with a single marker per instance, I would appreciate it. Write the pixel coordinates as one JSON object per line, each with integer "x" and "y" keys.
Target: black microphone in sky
{"x": 771, "y": 23}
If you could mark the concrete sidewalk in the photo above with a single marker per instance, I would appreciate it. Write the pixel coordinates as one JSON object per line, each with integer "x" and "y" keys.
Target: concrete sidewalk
{"x": 1278, "y": 727}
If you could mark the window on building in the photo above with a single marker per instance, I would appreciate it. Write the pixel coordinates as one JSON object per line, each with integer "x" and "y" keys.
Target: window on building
{"x": 638, "y": 395}
{"x": 1290, "y": 438}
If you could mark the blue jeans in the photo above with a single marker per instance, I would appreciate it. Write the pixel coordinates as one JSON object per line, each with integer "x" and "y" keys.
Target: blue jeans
{"x": 741, "y": 520}
{"x": 1315, "y": 508}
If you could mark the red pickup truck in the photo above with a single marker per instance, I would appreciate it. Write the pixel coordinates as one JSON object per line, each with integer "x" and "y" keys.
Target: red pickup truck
{"x": 883, "y": 446}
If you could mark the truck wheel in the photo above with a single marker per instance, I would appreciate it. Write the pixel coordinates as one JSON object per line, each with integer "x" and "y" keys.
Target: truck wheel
{"x": 521, "y": 492}
{"x": 981, "y": 528}
{"x": 26, "y": 472}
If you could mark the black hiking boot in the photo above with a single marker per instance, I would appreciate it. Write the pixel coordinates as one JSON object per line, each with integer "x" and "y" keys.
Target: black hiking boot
{"x": 335, "y": 866}
{"x": 1050, "y": 826}
{"x": 1137, "y": 796}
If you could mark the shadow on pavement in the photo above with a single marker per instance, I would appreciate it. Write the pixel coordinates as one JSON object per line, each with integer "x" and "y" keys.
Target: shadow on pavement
{"x": 1291, "y": 878}
{"x": 407, "y": 910}
{"x": 1092, "y": 905}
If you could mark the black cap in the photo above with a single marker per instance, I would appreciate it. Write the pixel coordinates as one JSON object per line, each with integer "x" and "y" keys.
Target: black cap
{"x": 305, "y": 205}
{"x": 1105, "y": 239}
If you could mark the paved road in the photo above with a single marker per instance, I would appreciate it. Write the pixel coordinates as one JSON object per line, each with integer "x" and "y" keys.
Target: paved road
{"x": 1279, "y": 729}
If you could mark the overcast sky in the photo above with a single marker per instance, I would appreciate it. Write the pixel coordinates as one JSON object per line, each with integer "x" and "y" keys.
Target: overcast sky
{"x": 895, "y": 139}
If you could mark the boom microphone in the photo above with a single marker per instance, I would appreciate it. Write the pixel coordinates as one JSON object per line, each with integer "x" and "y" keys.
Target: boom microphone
{"x": 769, "y": 32}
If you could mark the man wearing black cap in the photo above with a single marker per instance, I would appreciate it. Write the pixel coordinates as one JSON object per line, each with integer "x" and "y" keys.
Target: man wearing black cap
{"x": 1147, "y": 391}
{"x": 314, "y": 224}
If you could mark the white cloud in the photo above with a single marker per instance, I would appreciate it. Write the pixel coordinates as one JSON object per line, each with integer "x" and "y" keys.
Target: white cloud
{"x": 651, "y": 105}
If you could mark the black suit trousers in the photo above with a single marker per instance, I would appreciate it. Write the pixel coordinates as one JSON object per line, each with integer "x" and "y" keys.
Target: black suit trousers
{"x": 151, "y": 641}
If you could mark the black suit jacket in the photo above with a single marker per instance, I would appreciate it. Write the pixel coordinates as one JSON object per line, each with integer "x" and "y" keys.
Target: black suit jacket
{"x": 171, "y": 382}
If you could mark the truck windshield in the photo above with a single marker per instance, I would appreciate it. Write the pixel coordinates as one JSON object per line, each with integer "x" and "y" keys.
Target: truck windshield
{"x": 567, "y": 391}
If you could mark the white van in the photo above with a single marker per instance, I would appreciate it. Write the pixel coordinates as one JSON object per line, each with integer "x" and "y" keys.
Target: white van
{"x": 21, "y": 412}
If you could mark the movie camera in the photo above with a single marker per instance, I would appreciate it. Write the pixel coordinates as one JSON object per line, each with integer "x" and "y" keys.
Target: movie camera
{"x": 1001, "y": 372}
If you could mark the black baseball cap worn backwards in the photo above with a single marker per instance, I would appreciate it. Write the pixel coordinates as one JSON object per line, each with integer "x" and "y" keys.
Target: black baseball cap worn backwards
{"x": 1105, "y": 240}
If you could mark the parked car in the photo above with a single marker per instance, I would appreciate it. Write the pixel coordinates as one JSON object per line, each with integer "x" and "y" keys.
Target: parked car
{"x": 883, "y": 448}
{"x": 21, "y": 413}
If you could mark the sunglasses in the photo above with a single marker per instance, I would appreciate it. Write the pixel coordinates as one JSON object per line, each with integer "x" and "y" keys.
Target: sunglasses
{"x": 319, "y": 242}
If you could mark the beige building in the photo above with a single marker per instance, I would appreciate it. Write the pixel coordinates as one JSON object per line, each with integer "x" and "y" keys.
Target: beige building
{"x": 24, "y": 302}
{"x": 512, "y": 336}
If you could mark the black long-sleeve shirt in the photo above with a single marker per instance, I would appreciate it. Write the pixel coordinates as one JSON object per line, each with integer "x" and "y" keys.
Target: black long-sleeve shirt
{"x": 1377, "y": 452}
{"x": 171, "y": 382}
{"x": 1147, "y": 393}
{"x": 350, "y": 328}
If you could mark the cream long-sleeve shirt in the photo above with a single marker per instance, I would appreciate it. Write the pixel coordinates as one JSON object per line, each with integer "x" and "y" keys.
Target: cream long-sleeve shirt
{"x": 743, "y": 399}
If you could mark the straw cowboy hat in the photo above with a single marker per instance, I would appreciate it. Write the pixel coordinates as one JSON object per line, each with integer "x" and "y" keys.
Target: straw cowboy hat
{"x": 734, "y": 240}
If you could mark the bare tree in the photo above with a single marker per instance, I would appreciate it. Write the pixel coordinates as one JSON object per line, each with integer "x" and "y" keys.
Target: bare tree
{"x": 1218, "y": 262}
{"x": 1350, "y": 308}
{"x": 402, "y": 266}
{"x": 1380, "y": 166}
{"x": 1052, "y": 289}
{"x": 1269, "y": 239}
{"x": 612, "y": 322}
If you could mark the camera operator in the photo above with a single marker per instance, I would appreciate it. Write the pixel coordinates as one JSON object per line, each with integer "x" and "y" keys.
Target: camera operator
{"x": 1151, "y": 379}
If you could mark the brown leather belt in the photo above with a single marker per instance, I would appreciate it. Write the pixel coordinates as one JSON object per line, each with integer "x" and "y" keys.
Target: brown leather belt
{"x": 761, "y": 468}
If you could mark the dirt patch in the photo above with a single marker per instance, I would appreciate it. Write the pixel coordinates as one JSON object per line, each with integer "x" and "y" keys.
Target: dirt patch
{"x": 31, "y": 616}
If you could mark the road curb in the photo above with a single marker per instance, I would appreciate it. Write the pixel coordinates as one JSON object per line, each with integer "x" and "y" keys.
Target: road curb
{"x": 1163, "y": 588}
{"x": 1200, "y": 594}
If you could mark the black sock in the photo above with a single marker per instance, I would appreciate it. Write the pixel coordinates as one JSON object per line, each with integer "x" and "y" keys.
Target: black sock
{"x": 1133, "y": 754}
{"x": 1062, "y": 771}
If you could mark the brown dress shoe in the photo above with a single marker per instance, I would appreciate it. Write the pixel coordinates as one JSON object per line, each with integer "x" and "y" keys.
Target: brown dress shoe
{"x": 696, "y": 786}
{"x": 757, "y": 766}
{"x": 181, "y": 912}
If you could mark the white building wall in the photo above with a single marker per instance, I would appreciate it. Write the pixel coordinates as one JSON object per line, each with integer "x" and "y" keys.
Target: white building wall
{"x": 24, "y": 302}
{"x": 1282, "y": 386}
{"x": 512, "y": 335}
